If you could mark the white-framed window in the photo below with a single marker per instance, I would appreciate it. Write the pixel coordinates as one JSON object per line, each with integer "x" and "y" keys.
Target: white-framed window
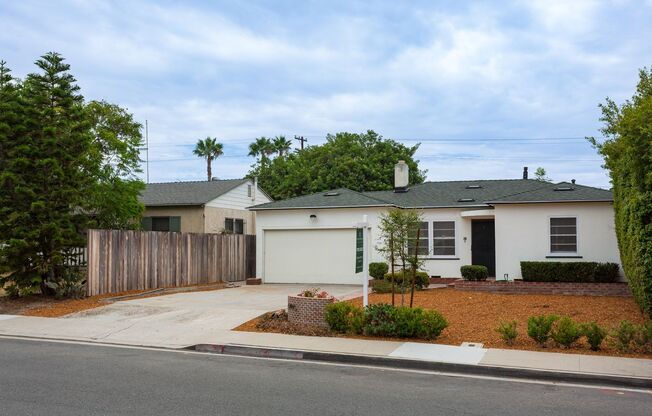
{"x": 443, "y": 238}
{"x": 234, "y": 225}
{"x": 424, "y": 238}
{"x": 563, "y": 234}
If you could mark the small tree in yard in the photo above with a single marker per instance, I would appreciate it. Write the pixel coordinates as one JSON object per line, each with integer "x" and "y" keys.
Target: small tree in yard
{"x": 389, "y": 237}
{"x": 413, "y": 223}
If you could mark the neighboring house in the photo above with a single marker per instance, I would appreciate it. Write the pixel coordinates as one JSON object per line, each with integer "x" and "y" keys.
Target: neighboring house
{"x": 202, "y": 207}
{"x": 496, "y": 223}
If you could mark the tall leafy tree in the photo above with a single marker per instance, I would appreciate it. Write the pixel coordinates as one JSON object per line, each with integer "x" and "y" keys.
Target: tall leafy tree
{"x": 541, "y": 175}
{"x": 116, "y": 143}
{"x": 46, "y": 177}
{"x": 358, "y": 161}
{"x": 627, "y": 152}
{"x": 210, "y": 150}
{"x": 282, "y": 145}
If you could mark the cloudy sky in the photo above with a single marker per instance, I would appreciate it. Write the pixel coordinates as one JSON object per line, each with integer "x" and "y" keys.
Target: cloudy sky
{"x": 486, "y": 87}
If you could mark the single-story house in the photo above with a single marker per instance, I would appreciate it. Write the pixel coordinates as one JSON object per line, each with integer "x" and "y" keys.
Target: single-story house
{"x": 202, "y": 207}
{"x": 497, "y": 223}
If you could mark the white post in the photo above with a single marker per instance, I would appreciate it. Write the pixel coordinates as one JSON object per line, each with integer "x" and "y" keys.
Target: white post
{"x": 365, "y": 263}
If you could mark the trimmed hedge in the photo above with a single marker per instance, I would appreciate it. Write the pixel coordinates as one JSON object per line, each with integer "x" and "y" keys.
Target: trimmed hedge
{"x": 474, "y": 272}
{"x": 378, "y": 270}
{"x": 422, "y": 279}
{"x": 385, "y": 286}
{"x": 575, "y": 272}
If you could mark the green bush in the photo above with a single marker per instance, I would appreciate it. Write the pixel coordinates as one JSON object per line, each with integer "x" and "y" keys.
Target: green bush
{"x": 594, "y": 334}
{"x": 378, "y": 270}
{"x": 577, "y": 272}
{"x": 644, "y": 336}
{"x": 539, "y": 327}
{"x": 474, "y": 272}
{"x": 343, "y": 317}
{"x": 508, "y": 331}
{"x": 432, "y": 324}
{"x": 380, "y": 320}
{"x": 384, "y": 286}
{"x": 422, "y": 279}
{"x": 565, "y": 332}
{"x": 623, "y": 335}
{"x": 71, "y": 285}
{"x": 408, "y": 321}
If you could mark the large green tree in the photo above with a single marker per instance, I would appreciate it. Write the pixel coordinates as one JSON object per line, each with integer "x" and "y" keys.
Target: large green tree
{"x": 358, "y": 161}
{"x": 66, "y": 166}
{"x": 210, "y": 150}
{"x": 627, "y": 152}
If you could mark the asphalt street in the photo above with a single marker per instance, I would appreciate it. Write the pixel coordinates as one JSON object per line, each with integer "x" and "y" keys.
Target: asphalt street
{"x": 49, "y": 378}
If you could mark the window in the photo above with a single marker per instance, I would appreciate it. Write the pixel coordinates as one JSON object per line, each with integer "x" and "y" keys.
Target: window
{"x": 443, "y": 238}
{"x": 160, "y": 223}
{"x": 234, "y": 226}
{"x": 563, "y": 235}
{"x": 423, "y": 240}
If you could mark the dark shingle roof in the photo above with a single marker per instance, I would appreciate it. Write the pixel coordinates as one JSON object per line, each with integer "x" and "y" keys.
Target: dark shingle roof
{"x": 187, "y": 193}
{"x": 342, "y": 197}
{"x": 480, "y": 193}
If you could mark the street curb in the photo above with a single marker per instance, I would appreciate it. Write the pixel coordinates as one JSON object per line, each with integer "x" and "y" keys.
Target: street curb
{"x": 409, "y": 364}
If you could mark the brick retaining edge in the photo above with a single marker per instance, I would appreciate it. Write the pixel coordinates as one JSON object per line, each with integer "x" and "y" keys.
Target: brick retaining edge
{"x": 546, "y": 288}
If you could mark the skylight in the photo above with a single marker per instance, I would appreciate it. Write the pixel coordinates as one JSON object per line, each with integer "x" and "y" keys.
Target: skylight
{"x": 564, "y": 188}
{"x": 466, "y": 200}
{"x": 331, "y": 194}
{"x": 473, "y": 186}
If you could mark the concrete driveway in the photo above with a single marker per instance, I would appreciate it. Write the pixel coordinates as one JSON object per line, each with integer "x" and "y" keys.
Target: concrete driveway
{"x": 176, "y": 320}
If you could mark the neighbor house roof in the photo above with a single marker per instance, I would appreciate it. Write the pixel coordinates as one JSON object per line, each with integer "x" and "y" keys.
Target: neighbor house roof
{"x": 479, "y": 193}
{"x": 187, "y": 193}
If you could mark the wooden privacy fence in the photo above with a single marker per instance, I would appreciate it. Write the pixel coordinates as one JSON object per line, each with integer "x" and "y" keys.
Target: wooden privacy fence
{"x": 140, "y": 260}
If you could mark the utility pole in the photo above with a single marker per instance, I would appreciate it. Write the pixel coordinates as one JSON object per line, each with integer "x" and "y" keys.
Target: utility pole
{"x": 301, "y": 139}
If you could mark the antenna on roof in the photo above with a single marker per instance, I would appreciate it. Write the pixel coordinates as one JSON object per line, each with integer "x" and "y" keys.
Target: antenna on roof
{"x": 147, "y": 149}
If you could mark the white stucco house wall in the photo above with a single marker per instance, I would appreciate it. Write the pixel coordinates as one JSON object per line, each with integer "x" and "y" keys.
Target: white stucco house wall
{"x": 202, "y": 206}
{"x": 498, "y": 223}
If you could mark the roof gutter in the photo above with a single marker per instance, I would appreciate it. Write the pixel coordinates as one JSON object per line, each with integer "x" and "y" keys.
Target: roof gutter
{"x": 549, "y": 202}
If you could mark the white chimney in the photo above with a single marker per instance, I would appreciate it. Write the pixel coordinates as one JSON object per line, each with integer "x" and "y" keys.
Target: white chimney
{"x": 401, "y": 176}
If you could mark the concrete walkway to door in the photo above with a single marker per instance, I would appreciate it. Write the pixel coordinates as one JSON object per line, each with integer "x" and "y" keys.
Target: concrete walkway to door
{"x": 176, "y": 320}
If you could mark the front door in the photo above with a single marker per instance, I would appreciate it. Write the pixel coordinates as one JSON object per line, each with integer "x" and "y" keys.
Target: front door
{"x": 483, "y": 244}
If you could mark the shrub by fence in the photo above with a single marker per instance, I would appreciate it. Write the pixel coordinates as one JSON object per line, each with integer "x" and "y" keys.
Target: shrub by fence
{"x": 574, "y": 272}
{"x": 140, "y": 260}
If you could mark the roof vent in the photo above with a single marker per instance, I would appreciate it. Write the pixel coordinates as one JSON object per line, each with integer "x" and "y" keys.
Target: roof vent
{"x": 331, "y": 194}
{"x": 564, "y": 188}
{"x": 466, "y": 200}
{"x": 473, "y": 186}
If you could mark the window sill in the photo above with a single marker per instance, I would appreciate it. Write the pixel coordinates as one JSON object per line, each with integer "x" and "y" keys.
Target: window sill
{"x": 441, "y": 258}
{"x": 564, "y": 256}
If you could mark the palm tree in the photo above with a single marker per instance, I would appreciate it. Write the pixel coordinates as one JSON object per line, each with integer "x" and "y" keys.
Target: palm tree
{"x": 262, "y": 147}
{"x": 282, "y": 145}
{"x": 209, "y": 149}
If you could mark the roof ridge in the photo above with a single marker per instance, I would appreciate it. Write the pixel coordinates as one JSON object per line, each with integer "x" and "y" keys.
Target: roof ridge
{"x": 215, "y": 180}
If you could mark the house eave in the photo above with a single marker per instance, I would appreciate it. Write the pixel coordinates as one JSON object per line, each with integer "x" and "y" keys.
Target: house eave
{"x": 549, "y": 201}
{"x": 253, "y": 208}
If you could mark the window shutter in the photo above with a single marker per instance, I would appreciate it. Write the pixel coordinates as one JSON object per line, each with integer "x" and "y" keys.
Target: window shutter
{"x": 175, "y": 224}
{"x": 146, "y": 223}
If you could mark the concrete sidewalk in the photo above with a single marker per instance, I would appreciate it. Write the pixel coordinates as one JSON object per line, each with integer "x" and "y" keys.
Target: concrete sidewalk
{"x": 187, "y": 319}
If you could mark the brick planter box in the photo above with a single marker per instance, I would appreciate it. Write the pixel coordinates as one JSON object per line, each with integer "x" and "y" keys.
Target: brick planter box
{"x": 546, "y": 288}
{"x": 308, "y": 311}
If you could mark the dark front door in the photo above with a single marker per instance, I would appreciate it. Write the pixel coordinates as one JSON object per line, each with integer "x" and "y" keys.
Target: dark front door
{"x": 483, "y": 244}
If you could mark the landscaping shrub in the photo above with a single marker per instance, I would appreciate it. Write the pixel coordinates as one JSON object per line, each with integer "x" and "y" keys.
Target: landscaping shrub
{"x": 474, "y": 272}
{"x": 577, "y": 272}
{"x": 314, "y": 293}
{"x": 432, "y": 324}
{"x": 565, "y": 332}
{"x": 71, "y": 285}
{"x": 507, "y": 331}
{"x": 539, "y": 327}
{"x": 644, "y": 336}
{"x": 380, "y": 320}
{"x": 385, "y": 286}
{"x": 422, "y": 279}
{"x": 343, "y": 316}
{"x": 594, "y": 334}
{"x": 408, "y": 321}
{"x": 378, "y": 270}
{"x": 623, "y": 335}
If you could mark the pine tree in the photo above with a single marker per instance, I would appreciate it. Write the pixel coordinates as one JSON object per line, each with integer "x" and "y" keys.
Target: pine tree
{"x": 47, "y": 176}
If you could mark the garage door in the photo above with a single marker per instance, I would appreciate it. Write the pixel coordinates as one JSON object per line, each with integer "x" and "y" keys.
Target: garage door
{"x": 310, "y": 256}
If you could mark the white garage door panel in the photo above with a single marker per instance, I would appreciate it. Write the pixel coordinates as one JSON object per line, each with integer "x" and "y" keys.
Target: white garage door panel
{"x": 310, "y": 256}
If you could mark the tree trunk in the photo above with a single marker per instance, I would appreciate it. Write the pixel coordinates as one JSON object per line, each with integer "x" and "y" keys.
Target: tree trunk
{"x": 209, "y": 172}
{"x": 391, "y": 244}
{"x": 414, "y": 268}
